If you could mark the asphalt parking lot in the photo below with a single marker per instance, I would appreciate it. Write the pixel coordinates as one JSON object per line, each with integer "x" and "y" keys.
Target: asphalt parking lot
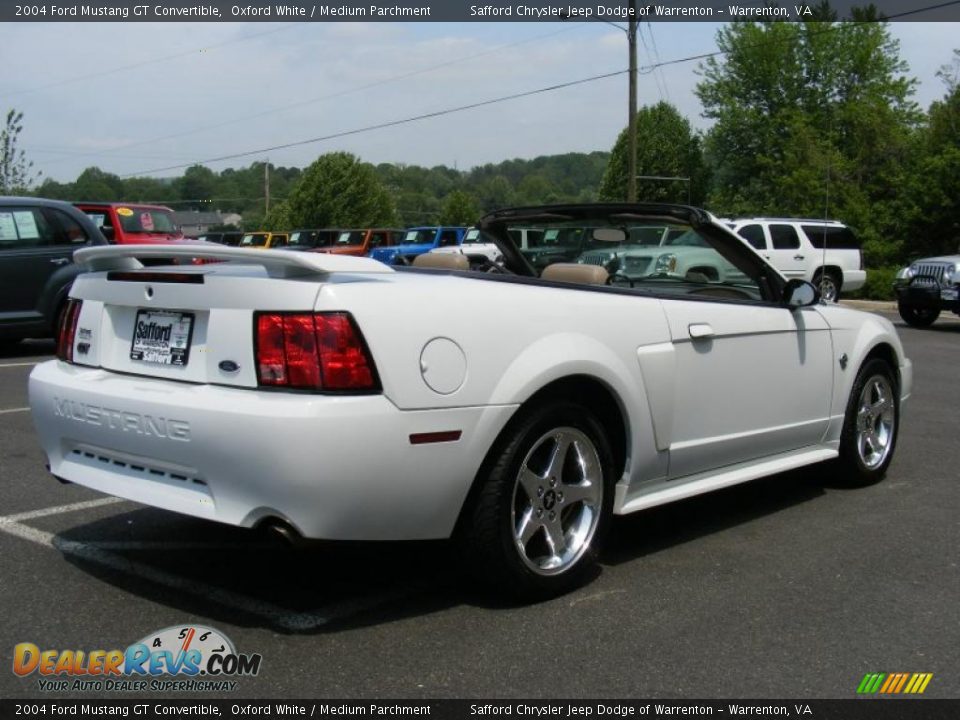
{"x": 786, "y": 587}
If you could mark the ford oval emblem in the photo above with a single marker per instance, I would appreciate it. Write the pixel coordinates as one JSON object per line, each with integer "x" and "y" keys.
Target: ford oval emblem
{"x": 228, "y": 366}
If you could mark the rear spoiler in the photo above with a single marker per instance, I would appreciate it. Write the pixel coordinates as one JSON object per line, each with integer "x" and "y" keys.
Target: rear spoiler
{"x": 277, "y": 263}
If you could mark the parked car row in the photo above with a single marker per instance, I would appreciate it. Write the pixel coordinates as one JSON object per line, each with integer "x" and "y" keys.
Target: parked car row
{"x": 825, "y": 253}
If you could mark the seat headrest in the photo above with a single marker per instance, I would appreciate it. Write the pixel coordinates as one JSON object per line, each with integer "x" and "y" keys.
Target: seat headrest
{"x": 581, "y": 274}
{"x": 442, "y": 261}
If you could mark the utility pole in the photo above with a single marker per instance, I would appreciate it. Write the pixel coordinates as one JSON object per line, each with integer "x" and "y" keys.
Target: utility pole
{"x": 266, "y": 186}
{"x": 632, "y": 120}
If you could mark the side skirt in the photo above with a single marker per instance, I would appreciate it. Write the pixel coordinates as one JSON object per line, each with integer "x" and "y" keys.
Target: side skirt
{"x": 669, "y": 491}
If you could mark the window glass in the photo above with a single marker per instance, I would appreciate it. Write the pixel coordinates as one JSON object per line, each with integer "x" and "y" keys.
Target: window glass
{"x": 831, "y": 237}
{"x": 146, "y": 220}
{"x": 687, "y": 265}
{"x": 472, "y": 236}
{"x": 784, "y": 237}
{"x": 753, "y": 234}
{"x": 351, "y": 237}
{"x": 254, "y": 240}
{"x": 448, "y": 237}
{"x": 72, "y": 232}
{"x": 416, "y": 237}
{"x": 26, "y": 227}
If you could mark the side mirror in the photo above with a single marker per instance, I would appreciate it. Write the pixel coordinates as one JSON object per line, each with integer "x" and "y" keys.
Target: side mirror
{"x": 799, "y": 293}
{"x": 109, "y": 233}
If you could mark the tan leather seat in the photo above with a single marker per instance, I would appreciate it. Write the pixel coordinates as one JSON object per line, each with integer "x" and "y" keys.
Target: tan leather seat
{"x": 442, "y": 261}
{"x": 576, "y": 273}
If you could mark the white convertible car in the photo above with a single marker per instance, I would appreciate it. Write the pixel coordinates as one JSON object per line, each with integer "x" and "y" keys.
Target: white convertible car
{"x": 336, "y": 397}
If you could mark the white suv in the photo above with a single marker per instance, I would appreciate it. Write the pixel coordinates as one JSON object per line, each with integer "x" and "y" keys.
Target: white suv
{"x": 824, "y": 252}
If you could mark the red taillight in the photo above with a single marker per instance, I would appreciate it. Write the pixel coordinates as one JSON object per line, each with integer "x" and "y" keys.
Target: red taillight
{"x": 342, "y": 354}
{"x": 68, "y": 329}
{"x": 317, "y": 351}
{"x": 271, "y": 362}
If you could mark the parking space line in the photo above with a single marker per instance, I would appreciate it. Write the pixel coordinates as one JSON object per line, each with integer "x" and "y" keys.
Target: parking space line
{"x": 292, "y": 621}
{"x": 59, "y": 509}
{"x": 13, "y": 410}
{"x": 23, "y": 364}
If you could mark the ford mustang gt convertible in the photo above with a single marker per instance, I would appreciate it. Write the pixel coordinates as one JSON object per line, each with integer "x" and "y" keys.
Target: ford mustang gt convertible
{"x": 512, "y": 410}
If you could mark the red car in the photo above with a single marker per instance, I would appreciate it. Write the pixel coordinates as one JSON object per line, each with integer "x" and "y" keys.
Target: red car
{"x": 133, "y": 223}
{"x": 360, "y": 242}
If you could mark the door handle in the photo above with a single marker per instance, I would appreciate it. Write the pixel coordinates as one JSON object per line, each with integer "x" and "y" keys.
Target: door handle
{"x": 699, "y": 331}
{"x": 798, "y": 257}
{"x": 59, "y": 261}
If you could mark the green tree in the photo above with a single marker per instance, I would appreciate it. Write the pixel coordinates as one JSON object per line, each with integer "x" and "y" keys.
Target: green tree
{"x": 338, "y": 190}
{"x": 197, "y": 187}
{"x": 934, "y": 188}
{"x": 495, "y": 193}
{"x": 812, "y": 118}
{"x": 666, "y": 147}
{"x": 95, "y": 184}
{"x": 16, "y": 172}
{"x": 459, "y": 208}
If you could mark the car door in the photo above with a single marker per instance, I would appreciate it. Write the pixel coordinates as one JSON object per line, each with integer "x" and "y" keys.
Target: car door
{"x": 786, "y": 253}
{"x": 32, "y": 249}
{"x": 752, "y": 378}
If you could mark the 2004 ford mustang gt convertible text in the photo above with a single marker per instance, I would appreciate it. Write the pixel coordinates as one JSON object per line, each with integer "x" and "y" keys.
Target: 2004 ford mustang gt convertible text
{"x": 346, "y": 399}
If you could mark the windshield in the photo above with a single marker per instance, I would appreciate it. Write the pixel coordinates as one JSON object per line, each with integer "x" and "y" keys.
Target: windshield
{"x": 472, "y": 236}
{"x": 351, "y": 237}
{"x": 418, "y": 237}
{"x": 307, "y": 239}
{"x": 144, "y": 220}
{"x": 254, "y": 240}
{"x": 666, "y": 259}
{"x": 688, "y": 239}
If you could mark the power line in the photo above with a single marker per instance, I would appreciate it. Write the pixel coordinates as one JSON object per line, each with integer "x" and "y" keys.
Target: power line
{"x": 133, "y": 66}
{"x": 331, "y": 96}
{"x": 391, "y": 123}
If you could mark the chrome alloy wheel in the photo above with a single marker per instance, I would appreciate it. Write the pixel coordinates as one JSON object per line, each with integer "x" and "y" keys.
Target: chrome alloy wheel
{"x": 876, "y": 421}
{"x": 828, "y": 289}
{"x": 557, "y": 500}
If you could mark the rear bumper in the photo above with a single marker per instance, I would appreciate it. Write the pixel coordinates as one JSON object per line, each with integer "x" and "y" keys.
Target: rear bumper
{"x": 853, "y": 280}
{"x": 334, "y": 467}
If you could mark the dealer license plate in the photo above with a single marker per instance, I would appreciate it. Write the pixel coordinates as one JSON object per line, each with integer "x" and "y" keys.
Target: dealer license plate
{"x": 162, "y": 337}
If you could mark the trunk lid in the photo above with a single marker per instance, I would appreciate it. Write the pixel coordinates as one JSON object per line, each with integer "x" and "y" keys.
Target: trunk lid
{"x": 191, "y": 323}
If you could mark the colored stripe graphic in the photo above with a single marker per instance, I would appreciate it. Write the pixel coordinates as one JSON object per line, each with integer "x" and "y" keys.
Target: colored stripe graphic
{"x": 871, "y": 683}
{"x": 894, "y": 683}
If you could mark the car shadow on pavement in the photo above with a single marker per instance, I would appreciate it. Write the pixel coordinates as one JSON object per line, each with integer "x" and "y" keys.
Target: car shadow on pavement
{"x": 243, "y": 577}
{"x": 250, "y": 579}
{"x": 651, "y": 531}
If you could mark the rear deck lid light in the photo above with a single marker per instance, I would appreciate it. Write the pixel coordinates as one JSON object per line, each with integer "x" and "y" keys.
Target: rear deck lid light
{"x": 313, "y": 351}
{"x": 67, "y": 331}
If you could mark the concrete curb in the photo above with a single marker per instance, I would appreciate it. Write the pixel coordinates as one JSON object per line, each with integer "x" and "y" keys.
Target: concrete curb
{"x": 871, "y": 305}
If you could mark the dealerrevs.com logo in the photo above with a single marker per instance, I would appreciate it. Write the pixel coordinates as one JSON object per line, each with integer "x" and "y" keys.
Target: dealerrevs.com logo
{"x": 178, "y": 658}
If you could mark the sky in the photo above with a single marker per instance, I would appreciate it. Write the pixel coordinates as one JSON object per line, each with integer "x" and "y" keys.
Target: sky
{"x": 139, "y": 98}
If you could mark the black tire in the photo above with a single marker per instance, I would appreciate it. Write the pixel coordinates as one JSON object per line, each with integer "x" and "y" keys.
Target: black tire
{"x": 918, "y": 316}
{"x": 488, "y": 533}
{"x": 856, "y": 467}
{"x": 829, "y": 284}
